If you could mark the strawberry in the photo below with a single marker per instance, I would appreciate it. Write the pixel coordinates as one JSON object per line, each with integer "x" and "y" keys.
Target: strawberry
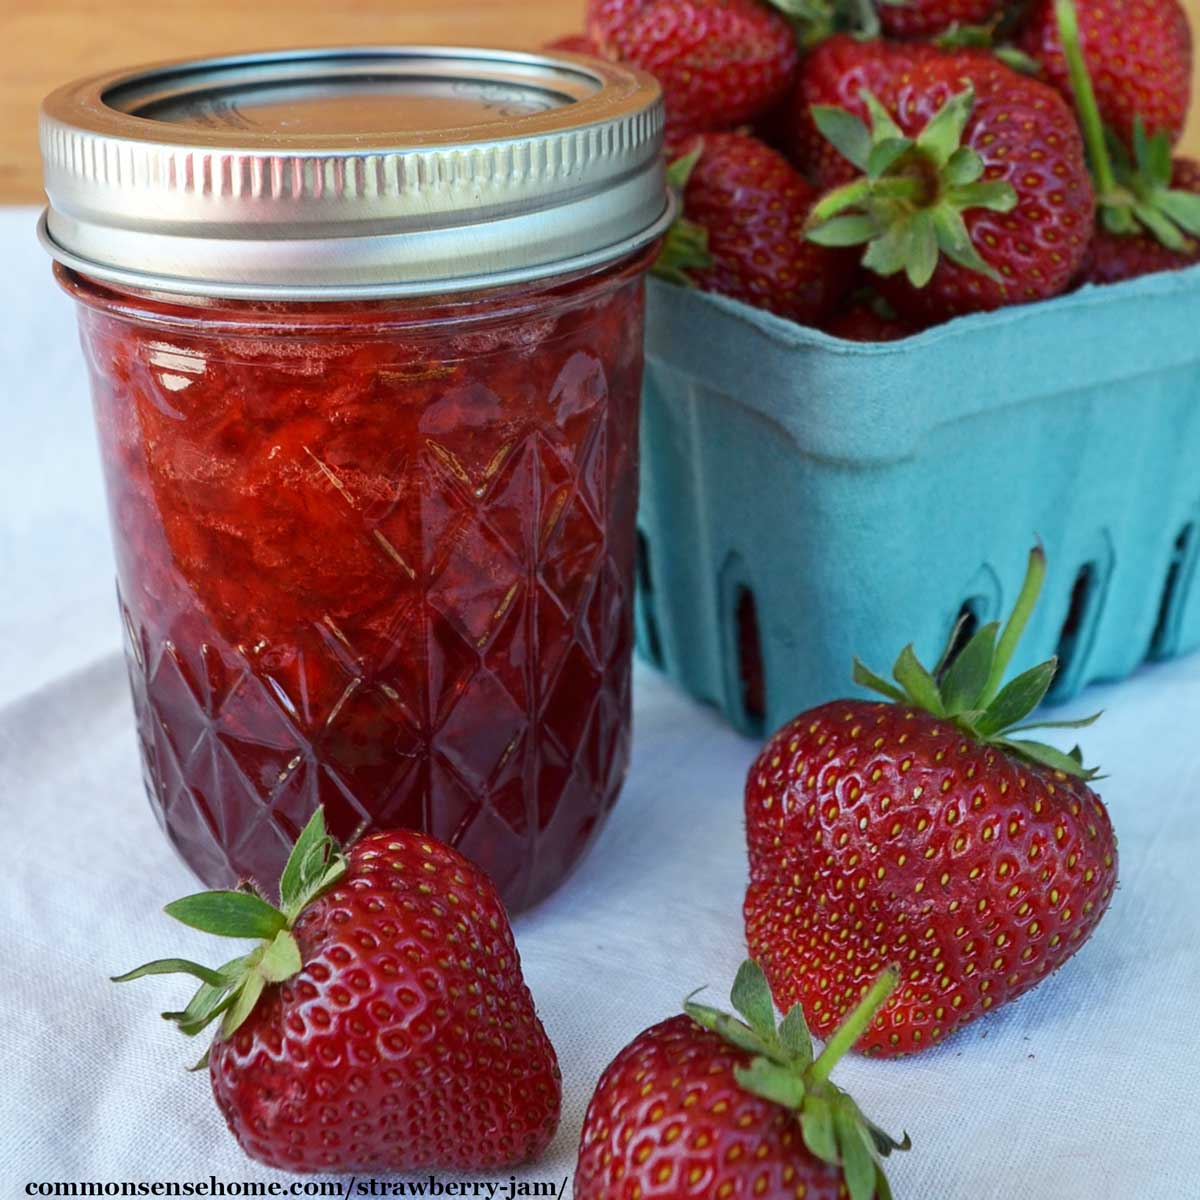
{"x": 926, "y": 832}
{"x": 719, "y": 62}
{"x": 926, "y": 18}
{"x": 973, "y": 191}
{"x": 868, "y": 319}
{"x": 745, "y": 209}
{"x": 576, "y": 43}
{"x": 704, "y": 1105}
{"x": 1139, "y": 53}
{"x": 1115, "y": 256}
{"x": 382, "y": 1023}
{"x": 1148, "y": 204}
{"x": 834, "y": 75}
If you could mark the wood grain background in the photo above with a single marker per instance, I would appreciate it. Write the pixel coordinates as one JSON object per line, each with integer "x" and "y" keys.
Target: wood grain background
{"x": 46, "y": 42}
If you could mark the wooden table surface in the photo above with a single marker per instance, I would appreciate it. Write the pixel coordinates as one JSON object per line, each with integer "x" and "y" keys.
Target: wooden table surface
{"x": 47, "y": 42}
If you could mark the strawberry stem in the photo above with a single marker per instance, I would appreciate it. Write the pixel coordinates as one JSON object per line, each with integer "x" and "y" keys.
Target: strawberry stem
{"x": 1031, "y": 589}
{"x": 969, "y": 688}
{"x": 855, "y": 1025}
{"x": 1086, "y": 107}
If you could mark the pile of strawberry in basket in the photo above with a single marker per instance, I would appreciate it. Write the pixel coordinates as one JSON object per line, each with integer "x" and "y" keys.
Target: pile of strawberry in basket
{"x": 874, "y": 170}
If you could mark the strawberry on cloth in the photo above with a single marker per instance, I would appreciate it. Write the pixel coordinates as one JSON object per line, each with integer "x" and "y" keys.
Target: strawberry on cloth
{"x": 925, "y": 831}
{"x": 705, "y": 1105}
{"x": 381, "y": 1022}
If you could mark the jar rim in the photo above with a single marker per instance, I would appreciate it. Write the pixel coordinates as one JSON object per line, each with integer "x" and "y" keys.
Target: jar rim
{"x": 278, "y": 175}
{"x": 255, "y": 318}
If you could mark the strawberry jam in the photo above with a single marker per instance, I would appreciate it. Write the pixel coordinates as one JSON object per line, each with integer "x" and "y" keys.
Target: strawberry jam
{"x": 376, "y": 555}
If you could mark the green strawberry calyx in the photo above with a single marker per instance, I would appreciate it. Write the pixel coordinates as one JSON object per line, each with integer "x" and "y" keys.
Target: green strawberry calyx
{"x": 816, "y": 20}
{"x": 995, "y": 35}
{"x": 907, "y": 206}
{"x": 1133, "y": 192}
{"x": 232, "y": 990}
{"x": 685, "y": 247}
{"x": 967, "y": 688}
{"x": 785, "y": 1070}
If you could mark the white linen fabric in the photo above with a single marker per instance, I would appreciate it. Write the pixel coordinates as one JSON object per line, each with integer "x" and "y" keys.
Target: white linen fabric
{"x": 1083, "y": 1090}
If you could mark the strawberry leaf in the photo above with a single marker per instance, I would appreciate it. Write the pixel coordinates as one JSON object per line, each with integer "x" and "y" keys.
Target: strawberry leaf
{"x": 964, "y": 166}
{"x": 997, "y": 195}
{"x": 955, "y": 242}
{"x": 844, "y": 231}
{"x": 1049, "y": 756}
{"x": 1081, "y": 723}
{"x": 865, "y": 677}
{"x": 923, "y": 253}
{"x": 795, "y": 1038}
{"x": 845, "y": 132}
{"x": 942, "y": 136}
{"x": 172, "y": 966}
{"x": 772, "y": 1082}
{"x": 968, "y": 674}
{"x": 858, "y": 1164}
{"x": 727, "y": 1027}
{"x": 1018, "y": 60}
{"x": 885, "y": 153}
{"x": 883, "y": 127}
{"x": 883, "y": 1142}
{"x": 685, "y": 248}
{"x": 816, "y": 1127}
{"x": 228, "y": 914}
{"x": 299, "y": 866}
{"x": 244, "y": 1000}
{"x": 1017, "y": 699}
{"x": 1181, "y": 207}
{"x": 888, "y": 254}
{"x": 281, "y": 959}
{"x": 751, "y": 997}
{"x": 1159, "y": 224}
{"x": 883, "y": 1190}
{"x": 680, "y": 171}
{"x": 917, "y": 682}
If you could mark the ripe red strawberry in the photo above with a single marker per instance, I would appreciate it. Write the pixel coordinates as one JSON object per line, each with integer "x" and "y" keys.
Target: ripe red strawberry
{"x": 720, "y": 62}
{"x": 1114, "y": 256}
{"x": 926, "y": 18}
{"x": 973, "y": 192}
{"x": 745, "y": 209}
{"x": 576, "y": 43}
{"x": 1148, "y": 206}
{"x": 834, "y": 75}
{"x": 382, "y": 1023}
{"x": 1139, "y": 53}
{"x": 868, "y": 320}
{"x": 928, "y": 833}
{"x": 704, "y": 1105}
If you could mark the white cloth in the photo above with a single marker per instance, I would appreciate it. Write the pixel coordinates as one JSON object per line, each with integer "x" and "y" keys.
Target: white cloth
{"x": 1084, "y": 1090}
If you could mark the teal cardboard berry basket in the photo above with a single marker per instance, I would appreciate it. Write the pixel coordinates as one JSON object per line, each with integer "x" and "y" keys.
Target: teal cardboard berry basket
{"x": 806, "y": 499}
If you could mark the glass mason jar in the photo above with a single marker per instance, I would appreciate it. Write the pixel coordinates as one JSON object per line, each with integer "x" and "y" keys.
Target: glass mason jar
{"x": 367, "y": 403}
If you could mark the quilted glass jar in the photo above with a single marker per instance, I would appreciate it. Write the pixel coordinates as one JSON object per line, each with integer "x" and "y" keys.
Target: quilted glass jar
{"x": 375, "y": 535}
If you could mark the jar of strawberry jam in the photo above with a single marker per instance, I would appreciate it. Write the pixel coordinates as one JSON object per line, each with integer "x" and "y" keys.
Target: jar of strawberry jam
{"x": 364, "y": 330}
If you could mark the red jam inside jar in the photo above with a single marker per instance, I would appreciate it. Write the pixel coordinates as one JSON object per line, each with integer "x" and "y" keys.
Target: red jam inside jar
{"x": 377, "y": 557}
{"x": 364, "y": 331}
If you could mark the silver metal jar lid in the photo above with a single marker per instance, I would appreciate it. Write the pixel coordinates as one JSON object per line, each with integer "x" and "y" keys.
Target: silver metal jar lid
{"x": 352, "y": 172}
